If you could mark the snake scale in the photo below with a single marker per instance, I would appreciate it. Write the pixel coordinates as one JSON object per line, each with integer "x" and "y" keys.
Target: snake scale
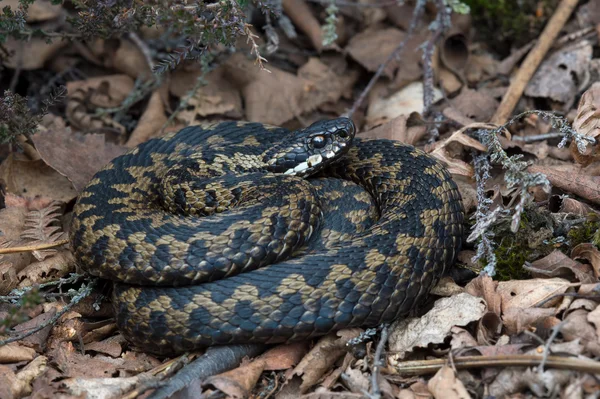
{"x": 241, "y": 232}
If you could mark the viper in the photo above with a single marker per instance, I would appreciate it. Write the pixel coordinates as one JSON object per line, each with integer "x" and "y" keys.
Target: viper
{"x": 241, "y": 232}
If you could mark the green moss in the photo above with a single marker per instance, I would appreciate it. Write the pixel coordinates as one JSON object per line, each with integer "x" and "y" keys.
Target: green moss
{"x": 506, "y": 23}
{"x": 588, "y": 231}
{"x": 533, "y": 240}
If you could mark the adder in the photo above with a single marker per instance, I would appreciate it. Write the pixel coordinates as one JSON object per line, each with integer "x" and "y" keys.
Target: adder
{"x": 241, "y": 232}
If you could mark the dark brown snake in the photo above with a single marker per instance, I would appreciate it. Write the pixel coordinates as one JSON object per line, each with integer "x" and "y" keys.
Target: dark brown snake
{"x": 216, "y": 235}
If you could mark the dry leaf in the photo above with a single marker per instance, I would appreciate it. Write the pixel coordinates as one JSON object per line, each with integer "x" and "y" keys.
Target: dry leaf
{"x": 570, "y": 178}
{"x": 403, "y": 102}
{"x": 524, "y": 294}
{"x": 441, "y": 150}
{"x": 35, "y": 178}
{"x": 590, "y": 253}
{"x": 436, "y": 325}
{"x": 559, "y": 76}
{"x": 15, "y": 352}
{"x": 477, "y": 106}
{"x": 321, "y": 357}
{"x": 517, "y": 320}
{"x": 484, "y": 287}
{"x": 557, "y": 264}
{"x": 445, "y": 384}
{"x": 76, "y": 156}
{"x": 150, "y": 123}
{"x": 587, "y": 121}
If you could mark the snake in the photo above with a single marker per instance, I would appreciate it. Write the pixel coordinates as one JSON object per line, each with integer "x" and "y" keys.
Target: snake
{"x": 243, "y": 232}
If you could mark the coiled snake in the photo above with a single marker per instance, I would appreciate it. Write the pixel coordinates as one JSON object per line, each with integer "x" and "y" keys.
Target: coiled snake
{"x": 215, "y": 235}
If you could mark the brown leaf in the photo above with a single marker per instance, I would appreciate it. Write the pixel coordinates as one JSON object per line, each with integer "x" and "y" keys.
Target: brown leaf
{"x": 524, "y": 294}
{"x": 35, "y": 178}
{"x": 557, "y": 264}
{"x": 36, "y": 341}
{"x": 461, "y": 338}
{"x": 43, "y": 227}
{"x": 30, "y": 54}
{"x": 41, "y": 10}
{"x": 435, "y": 325}
{"x": 150, "y": 123}
{"x": 478, "y": 106}
{"x": 484, "y": 287}
{"x": 277, "y": 97}
{"x": 590, "y": 253}
{"x": 395, "y": 129}
{"x": 218, "y": 97}
{"x": 517, "y": 320}
{"x": 594, "y": 318}
{"x": 15, "y": 352}
{"x": 405, "y": 101}
{"x": 321, "y": 357}
{"x": 445, "y": 384}
{"x": 110, "y": 346}
{"x": 236, "y": 383}
{"x": 587, "y": 121}
{"x": 74, "y": 155}
{"x": 282, "y": 357}
{"x": 49, "y": 269}
{"x": 441, "y": 150}
{"x": 559, "y": 75}
{"x": 572, "y": 179}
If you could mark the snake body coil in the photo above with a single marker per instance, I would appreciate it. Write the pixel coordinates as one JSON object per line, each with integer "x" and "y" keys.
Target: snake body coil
{"x": 213, "y": 238}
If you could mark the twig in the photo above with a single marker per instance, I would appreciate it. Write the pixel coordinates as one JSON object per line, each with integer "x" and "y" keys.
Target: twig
{"x": 156, "y": 375}
{"x": 83, "y": 292}
{"x": 533, "y": 60}
{"x": 216, "y": 360}
{"x": 555, "y": 331}
{"x": 538, "y": 137}
{"x": 143, "y": 48}
{"x": 35, "y": 247}
{"x": 375, "y": 391}
{"x": 417, "y": 13}
{"x": 421, "y": 367}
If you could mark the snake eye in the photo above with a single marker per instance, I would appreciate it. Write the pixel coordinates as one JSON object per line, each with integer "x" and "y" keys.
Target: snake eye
{"x": 343, "y": 133}
{"x": 318, "y": 141}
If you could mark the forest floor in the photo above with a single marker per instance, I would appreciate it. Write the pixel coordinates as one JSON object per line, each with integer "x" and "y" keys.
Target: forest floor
{"x": 516, "y": 122}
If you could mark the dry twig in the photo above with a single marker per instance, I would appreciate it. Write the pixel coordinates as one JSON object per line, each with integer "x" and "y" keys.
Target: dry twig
{"x": 533, "y": 60}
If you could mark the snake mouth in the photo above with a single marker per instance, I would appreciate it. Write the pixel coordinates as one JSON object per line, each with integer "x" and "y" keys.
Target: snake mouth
{"x": 310, "y": 163}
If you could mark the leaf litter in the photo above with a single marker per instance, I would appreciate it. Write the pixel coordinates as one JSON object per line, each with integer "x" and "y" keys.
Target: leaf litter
{"x": 517, "y": 316}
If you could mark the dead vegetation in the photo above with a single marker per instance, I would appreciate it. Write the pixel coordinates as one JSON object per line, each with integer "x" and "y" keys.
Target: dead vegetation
{"x": 517, "y": 126}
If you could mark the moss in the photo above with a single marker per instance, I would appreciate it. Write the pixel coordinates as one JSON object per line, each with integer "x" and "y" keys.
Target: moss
{"x": 533, "y": 240}
{"x": 588, "y": 231}
{"x": 506, "y": 23}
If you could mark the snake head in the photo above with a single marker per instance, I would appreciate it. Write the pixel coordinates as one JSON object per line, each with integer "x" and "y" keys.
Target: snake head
{"x": 307, "y": 151}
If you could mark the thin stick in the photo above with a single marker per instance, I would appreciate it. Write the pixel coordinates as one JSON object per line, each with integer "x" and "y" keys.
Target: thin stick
{"x": 375, "y": 391}
{"x": 420, "y": 367}
{"x": 35, "y": 247}
{"x": 533, "y": 60}
{"x": 83, "y": 292}
{"x": 417, "y": 13}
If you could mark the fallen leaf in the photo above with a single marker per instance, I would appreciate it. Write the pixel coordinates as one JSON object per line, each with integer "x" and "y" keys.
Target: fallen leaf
{"x": 590, "y": 253}
{"x": 36, "y": 341}
{"x": 282, "y": 357}
{"x": 15, "y": 352}
{"x": 434, "y": 326}
{"x": 524, "y": 294}
{"x": 478, "y": 106}
{"x": 403, "y": 102}
{"x": 150, "y": 123}
{"x": 559, "y": 76}
{"x": 517, "y": 320}
{"x": 570, "y": 178}
{"x": 587, "y": 123}
{"x": 35, "y": 178}
{"x": 445, "y": 384}
{"x": 484, "y": 287}
{"x": 76, "y": 156}
{"x": 557, "y": 264}
{"x": 321, "y": 357}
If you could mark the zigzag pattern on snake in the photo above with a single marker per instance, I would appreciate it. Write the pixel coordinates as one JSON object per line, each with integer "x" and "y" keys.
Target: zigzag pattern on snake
{"x": 212, "y": 236}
